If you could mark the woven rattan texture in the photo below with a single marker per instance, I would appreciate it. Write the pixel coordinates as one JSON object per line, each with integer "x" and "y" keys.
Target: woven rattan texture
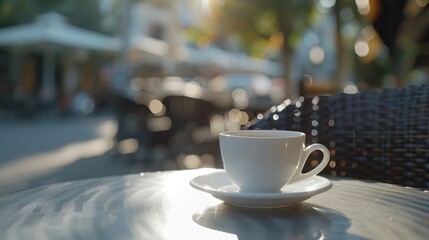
{"x": 378, "y": 134}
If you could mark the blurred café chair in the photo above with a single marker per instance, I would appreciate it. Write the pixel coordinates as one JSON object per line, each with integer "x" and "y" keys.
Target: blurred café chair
{"x": 190, "y": 125}
{"x": 380, "y": 134}
{"x": 131, "y": 119}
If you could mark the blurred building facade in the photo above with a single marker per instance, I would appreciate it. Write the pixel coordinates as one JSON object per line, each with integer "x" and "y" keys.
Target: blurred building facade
{"x": 48, "y": 62}
{"x": 157, "y": 38}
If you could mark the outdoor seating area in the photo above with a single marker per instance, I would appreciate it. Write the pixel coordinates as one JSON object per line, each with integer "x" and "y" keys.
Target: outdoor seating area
{"x": 182, "y": 126}
{"x": 172, "y": 117}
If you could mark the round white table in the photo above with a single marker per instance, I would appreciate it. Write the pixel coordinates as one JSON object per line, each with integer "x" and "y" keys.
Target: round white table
{"x": 164, "y": 206}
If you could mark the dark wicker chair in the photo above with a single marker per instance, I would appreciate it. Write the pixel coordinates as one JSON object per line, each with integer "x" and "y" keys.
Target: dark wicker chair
{"x": 378, "y": 134}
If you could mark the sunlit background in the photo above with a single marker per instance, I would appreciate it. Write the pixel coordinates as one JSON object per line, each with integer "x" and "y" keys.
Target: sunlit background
{"x": 94, "y": 88}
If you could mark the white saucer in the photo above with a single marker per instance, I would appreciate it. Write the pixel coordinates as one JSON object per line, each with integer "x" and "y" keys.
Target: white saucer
{"x": 220, "y": 186}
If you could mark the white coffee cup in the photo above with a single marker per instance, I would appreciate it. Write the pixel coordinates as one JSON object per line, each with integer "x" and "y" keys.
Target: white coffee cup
{"x": 267, "y": 160}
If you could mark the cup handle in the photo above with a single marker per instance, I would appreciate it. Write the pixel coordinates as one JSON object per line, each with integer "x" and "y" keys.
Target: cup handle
{"x": 304, "y": 157}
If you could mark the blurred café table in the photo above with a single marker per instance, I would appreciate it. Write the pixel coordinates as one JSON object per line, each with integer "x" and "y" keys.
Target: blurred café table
{"x": 163, "y": 205}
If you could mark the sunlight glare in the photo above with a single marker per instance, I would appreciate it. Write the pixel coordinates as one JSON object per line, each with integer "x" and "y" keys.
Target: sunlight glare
{"x": 350, "y": 88}
{"x": 205, "y": 6}
{"x": 156, "y": 107}
{"x": 217, "y": 124}
{"x": 317, "y": 55}
{"x": 363, "y": 6}
{"x": 240, "y": 98}
{"x": 128, "y": 146}
{"x": 362, "y": 48}
{"x": 193, "y": 89}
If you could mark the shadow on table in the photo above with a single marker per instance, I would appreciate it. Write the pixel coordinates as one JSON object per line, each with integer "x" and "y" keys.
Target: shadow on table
{"x": 303, "y": 221}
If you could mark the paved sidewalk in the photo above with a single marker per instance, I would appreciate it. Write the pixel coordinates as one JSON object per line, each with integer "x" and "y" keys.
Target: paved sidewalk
{"x": 43, "y": 151}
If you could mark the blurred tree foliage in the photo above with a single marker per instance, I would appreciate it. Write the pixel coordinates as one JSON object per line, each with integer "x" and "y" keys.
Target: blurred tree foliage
{"x": 261, "y": 21}
{"x": 270, "y": 24}
{"x": 81, "y": 13}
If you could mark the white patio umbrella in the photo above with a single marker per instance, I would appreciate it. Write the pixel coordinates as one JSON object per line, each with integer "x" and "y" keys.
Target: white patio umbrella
{"x": 51, "y": 29}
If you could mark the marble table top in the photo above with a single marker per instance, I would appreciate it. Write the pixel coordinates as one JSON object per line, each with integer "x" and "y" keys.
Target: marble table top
{"x": 163, "y": 205}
